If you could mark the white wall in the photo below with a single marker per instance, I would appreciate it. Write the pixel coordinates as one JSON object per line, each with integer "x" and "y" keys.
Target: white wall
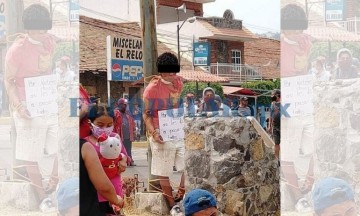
{"x": 111, "y": 10}
{"x": 188, "y": 30}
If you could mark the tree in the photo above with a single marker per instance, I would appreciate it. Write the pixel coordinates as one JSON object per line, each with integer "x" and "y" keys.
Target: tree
{"x": 262, "y": 87}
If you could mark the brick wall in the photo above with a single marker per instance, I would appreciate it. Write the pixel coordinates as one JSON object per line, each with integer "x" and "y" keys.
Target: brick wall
{"x": 233, "y": 45}
{"x": 230, "y": 45}
{"x": 350, "y": 8}
{"x": 213, "y": 46}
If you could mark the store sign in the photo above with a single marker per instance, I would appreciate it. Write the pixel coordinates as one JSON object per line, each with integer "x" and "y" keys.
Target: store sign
{"x": 334, "y": 10}
{"x": 74, "y": 9}
{"x": 2, "y": 17}
{"x": 201, "y": 54}
{"x": 125, "y": 58}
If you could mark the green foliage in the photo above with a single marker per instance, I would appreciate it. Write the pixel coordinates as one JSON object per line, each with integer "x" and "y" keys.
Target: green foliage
{"x": 63, "y": 49}
{"x": 323, "y": 49}
{"x": 262, "y": 85}
{"x": 190, "y": 87}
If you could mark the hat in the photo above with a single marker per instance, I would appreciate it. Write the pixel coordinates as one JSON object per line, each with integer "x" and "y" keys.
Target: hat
{"x": 244, "y": 99}
{"x": 68, "y": 194}
{"x": 122, "y": 101}
{"x": 208, "y": 89}
{"x": 65, "y": 59}
{"x": 331, "y": 191}
{"x": 198, "y": 200}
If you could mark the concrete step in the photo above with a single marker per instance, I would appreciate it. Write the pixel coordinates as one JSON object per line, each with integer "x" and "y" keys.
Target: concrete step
{"x": 20, "y": 195}
{"x": 151, "y": 202}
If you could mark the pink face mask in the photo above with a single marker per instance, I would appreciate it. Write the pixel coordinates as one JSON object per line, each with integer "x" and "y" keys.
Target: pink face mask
{"x": 97, "y": 131}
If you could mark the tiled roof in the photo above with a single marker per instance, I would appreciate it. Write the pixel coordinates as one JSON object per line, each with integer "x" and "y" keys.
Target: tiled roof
{"x": 193, "y": 76}
{"x": 201, "y": 76}
{"x": 264, "y": 53}
{"x": 331, "y": 34}
{"x": 93, "y": 35}
{"x": 236, "y": 34}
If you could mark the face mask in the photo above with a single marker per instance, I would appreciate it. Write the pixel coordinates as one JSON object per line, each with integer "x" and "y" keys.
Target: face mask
{"x": 97, "y": 131}
{"x": 273, "y": 98}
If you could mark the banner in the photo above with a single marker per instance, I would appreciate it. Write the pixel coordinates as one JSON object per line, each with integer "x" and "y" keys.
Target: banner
{"x": 201, "y": 54}
{"x": 74, "y": 9}
{"x": 125, "y": 58}
{"x": 41, "y": 95}
{"x": 334, "y": 10}
{"x": 2, "y": 18}
{"x": 172, "y": 124}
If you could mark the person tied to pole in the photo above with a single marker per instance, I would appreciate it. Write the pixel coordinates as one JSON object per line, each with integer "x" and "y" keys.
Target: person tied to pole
{"x": 29, "y": 58}
{"x": 163, "y": 93}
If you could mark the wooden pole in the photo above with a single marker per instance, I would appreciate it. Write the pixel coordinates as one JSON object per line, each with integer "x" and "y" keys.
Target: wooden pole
{"x": 14, "y": 10}
{"x": 148, "y": 26}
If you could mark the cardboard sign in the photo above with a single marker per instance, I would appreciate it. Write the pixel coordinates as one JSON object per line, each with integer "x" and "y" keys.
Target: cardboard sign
{"x": 298, "y": 93}
{"x": 172, "y": 124}
{"x": 41, "y": 95}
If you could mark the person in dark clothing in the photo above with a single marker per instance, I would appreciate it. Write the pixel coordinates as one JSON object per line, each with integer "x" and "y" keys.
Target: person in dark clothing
{"x": 275, "y": 115}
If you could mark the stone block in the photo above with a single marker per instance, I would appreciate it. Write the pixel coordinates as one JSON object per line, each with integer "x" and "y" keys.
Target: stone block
{"x": 327, "y": 117}
{"x": 355, "y": 122}
{"x": 194, "y": 141}
{"x": 265, "y": 192}
{"x": 197, "y": 164}
{"x": 234, "y": 203}
{"x": 225, "y": 170}
{"x": 257, "y": 150}
{"x": 151, "y": 202}
{"x": 223, "y": 144}
{"x": 18, "y": 194}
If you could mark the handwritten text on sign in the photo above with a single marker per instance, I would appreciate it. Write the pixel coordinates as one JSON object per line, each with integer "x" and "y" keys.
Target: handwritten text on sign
{"x": 298, "y": 92}
{"x": 41, "y": 94}
{"x": 171, "y": 124}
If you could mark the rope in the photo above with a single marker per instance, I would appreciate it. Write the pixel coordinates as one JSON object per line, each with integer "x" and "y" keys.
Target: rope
{"x": 159, "y": 189}
{"x": 15, "y": 36}
{"x": 25, "y": 178}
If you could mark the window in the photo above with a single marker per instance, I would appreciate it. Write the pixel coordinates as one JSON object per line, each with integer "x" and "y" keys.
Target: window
{"x": 236, "y": 59}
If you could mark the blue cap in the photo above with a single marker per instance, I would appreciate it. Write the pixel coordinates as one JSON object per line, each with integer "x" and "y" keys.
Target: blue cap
{"x": 331, "y": 191}
{"x": 68, "y": 194}
{"x": 197, "y": 200}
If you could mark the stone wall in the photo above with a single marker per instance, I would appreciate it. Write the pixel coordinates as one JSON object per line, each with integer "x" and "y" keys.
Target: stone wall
{"x": 337, "y": 131}
{"x": 228, "y": 157}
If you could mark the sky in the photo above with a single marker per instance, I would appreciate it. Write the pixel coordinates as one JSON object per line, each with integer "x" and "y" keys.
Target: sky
{"x": 259, "y": 16}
